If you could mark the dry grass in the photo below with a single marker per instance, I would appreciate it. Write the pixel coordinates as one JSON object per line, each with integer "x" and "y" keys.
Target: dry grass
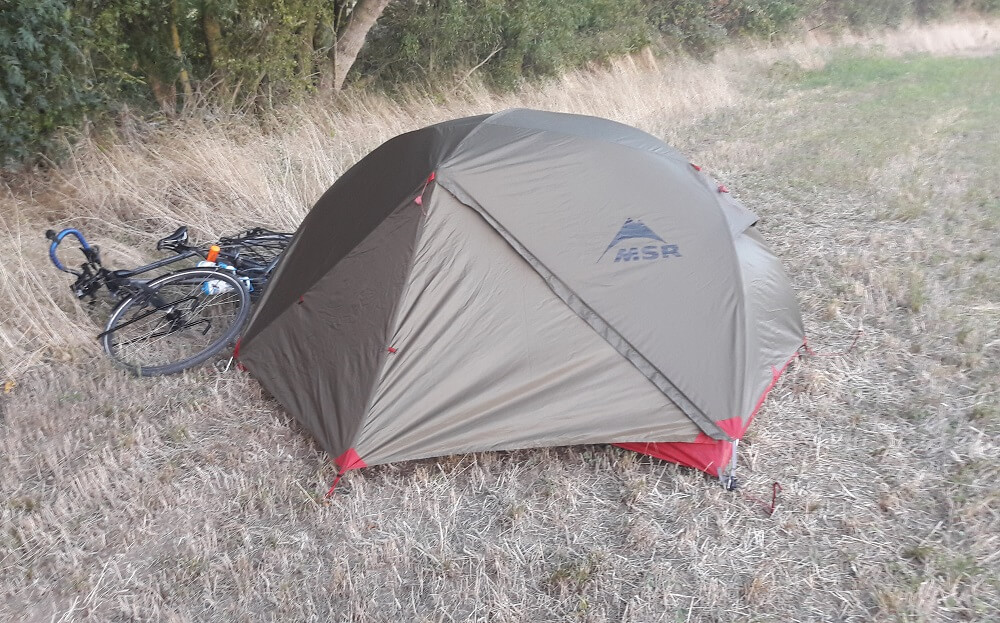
{"x": 194, "y": 498}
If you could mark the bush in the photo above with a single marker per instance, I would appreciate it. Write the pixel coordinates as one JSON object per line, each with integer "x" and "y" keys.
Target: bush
{"x": 44, "y": 81}
{"x": 689, "y": 24}
{"x": 61, "y": 58}
{"x": 513, "y": 39}
{"x": 862, "y": 13}
{"x": 701, "y": 27}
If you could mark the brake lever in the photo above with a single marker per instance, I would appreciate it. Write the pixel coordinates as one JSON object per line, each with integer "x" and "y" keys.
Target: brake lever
{"x": 93, "y": 254}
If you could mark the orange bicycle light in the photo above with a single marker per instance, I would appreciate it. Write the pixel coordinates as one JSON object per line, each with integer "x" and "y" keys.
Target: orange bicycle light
{"x": 213, "y": 253}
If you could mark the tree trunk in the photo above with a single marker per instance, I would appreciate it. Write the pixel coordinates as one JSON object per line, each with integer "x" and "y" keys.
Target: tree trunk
{"x": 175, "y": 38}
{"x": 166, "y": 95}
{"x": 306, "y": 67}
{"x": 325, "y": 43}
{"x": 213, "y": 34}
{"x": 349, "y": 43}
{"x": 326, "y": 37}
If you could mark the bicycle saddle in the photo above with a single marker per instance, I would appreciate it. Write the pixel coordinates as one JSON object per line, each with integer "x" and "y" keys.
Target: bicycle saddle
{"x": 179, "y": 236}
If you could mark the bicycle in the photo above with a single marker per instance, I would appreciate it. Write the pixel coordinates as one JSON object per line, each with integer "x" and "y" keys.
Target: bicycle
{"x": 166, "y": 324}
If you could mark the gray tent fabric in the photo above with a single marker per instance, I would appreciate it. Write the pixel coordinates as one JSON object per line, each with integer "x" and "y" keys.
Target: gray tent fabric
{"x": 354, "y": 206}
{"x": 328, "y": 348}
{"x": 524, "y": 379}
{"x": 519, "y": 280}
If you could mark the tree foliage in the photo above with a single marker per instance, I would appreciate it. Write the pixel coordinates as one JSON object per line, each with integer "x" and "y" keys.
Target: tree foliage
{"x": 235, "y": 50}
{"x": 66, "y": 59}
{"x": 512, "y": 40}
{"x": 43, "y": 79}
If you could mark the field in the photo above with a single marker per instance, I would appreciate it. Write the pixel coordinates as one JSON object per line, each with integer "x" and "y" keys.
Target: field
{"x": 873, "y": 165}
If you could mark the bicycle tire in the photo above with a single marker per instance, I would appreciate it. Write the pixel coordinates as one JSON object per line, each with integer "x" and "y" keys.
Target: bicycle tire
{"x": 255, "y": 255}
{"x": 158, "y": 321}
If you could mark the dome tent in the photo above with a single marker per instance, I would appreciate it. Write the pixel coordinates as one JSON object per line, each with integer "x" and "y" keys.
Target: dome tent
{"x": 520, "y": 280}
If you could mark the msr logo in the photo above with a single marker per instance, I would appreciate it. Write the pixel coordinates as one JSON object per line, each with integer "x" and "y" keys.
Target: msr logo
{"x": 636, "y": 230}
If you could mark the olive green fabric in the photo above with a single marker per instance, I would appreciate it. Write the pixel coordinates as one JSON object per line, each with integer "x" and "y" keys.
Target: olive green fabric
{"x": 679, "y": 315}
{"x": 488, "y": 359}
{"x": 564, "y": 280}
{"x": 321, "y": 356}
{"x": 352, "y": 208}
{"x": 774, "y": 326}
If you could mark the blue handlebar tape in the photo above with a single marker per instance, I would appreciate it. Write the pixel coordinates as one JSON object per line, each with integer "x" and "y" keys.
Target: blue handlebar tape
{"x": 59, "y": 239}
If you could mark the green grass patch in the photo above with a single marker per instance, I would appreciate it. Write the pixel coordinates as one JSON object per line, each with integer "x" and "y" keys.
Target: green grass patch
{"x": 913, "y": 78}
{"x": 891, "y": 125}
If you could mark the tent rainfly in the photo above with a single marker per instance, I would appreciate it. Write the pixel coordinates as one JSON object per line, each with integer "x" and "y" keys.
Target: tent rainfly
{"x": 520, "y": 280}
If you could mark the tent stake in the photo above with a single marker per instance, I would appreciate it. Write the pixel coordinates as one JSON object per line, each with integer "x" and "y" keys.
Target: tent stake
{"x": 728, "y": 476}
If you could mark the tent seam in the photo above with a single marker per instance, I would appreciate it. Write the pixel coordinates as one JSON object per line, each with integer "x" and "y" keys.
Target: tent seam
{"x": 394, "y": 324}
{"x": 604, "y": 328}
{"x": 249, "y": 337}
{"x": 672, "y": 153}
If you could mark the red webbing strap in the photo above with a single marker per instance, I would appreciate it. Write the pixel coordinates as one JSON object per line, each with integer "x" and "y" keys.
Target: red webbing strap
{"x": 345, "y": 462}
{"x": 857, "y": 336}
{"x": 775, "y": 490}
{"x": 236, "y": 356}
{"x": 420, "y": 198}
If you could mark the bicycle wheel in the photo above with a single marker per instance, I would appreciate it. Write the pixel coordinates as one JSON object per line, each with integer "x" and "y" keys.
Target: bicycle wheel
{"x": 176, "y": 321}
{"x": 255, "y": 255}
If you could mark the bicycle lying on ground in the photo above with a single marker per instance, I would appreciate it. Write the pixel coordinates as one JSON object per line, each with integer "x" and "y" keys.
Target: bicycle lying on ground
{"x": 169, "y": 323}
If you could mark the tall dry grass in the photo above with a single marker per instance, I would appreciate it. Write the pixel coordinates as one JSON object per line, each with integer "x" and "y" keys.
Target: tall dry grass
{"x": 194, "y": 497}
{"x": 218, "y": 175}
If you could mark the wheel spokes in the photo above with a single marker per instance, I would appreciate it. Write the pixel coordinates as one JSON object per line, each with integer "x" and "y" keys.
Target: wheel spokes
{"x": 175, "y": 321}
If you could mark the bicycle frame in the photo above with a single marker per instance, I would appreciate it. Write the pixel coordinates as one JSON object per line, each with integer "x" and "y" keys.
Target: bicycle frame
{"x": 242, "y": 263}
{"x": 183, "y": 255}
{"x": 248, "y": 256}
{"x": 92, "y": 275}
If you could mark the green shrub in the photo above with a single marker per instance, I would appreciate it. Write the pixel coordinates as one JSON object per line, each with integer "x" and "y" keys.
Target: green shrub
{"x": 44, "y": 82}
{"x": 423, "y": 40}
{"x": 268, "y": 47}
{"x": 688, "y": 24}
{"x": 859, "y": 14}
{"x": 700, "y": 27}
{"x": 66, "y": 59}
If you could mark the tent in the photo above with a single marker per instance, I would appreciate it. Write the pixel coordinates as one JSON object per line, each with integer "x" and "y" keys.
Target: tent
{"x": 520, "y": 280}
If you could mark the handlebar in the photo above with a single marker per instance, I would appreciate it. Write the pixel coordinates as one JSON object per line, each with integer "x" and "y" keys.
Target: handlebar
{"x": 57, "y": 238}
